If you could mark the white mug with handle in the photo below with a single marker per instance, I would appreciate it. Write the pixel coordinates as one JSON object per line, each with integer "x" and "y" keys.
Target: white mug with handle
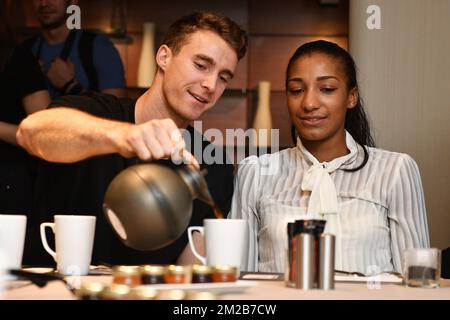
{"x": 74, "y": 239}
{"x": 225, "y": 241}
{"x": 12, "y": 239}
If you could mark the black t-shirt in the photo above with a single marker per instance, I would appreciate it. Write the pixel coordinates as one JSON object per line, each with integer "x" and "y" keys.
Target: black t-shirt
{"x": 20, "y": 77}
{"x": 79, "y": 188}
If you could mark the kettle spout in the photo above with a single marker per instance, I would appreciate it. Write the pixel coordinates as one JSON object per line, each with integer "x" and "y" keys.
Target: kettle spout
{"x": 195, "y": 180}
{"x": 197, "y": 185}
{"x": 205, "y": 196}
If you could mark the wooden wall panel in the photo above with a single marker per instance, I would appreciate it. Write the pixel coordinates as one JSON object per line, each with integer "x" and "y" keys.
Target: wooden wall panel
{"x": 269, "y": 56}
{"x": 163, "y": 13}
{"x": 298, "y": 17}
{"x": 96, "y": 14}
{"x": 130, "y": 54}
{"x": 21, "y": 14}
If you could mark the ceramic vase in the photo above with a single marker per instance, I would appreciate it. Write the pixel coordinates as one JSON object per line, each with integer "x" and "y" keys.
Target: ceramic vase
{"x": 263, "y": 120}
{"x": 147, "y": 62}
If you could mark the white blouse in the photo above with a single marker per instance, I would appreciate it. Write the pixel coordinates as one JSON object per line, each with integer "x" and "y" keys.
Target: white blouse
{"x": 375, "y": 212}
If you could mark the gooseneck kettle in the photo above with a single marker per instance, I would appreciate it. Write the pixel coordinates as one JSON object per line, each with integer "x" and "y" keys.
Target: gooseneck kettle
{"x": 149, "y": 206}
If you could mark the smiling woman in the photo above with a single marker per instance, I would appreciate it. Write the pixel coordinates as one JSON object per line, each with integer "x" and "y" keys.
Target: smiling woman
{"x": 372, "y": 199}
{"x": 333, "y": 84}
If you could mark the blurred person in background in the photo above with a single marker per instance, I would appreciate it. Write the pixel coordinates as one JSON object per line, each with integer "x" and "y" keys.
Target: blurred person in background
{"x": 23, "y": 91}
{"x": 74, "y": 61}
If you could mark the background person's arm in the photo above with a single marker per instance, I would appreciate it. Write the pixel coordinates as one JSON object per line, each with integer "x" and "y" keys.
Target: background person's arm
{"x": 69, "y": 135}
{"x": 33, "y": 102}
{"x": 8, "y": 132}
{"x": 30, "y": 89}
{"x": 36, "y": 101}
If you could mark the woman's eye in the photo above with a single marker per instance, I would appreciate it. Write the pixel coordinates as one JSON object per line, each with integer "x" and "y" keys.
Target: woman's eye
{"x": 327, "y": 90}
{"x": 296, "y": 91}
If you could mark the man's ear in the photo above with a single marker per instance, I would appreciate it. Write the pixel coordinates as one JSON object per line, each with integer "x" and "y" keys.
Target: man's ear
{"x": 163, "y": 56}
{"x": 353, "y": 97}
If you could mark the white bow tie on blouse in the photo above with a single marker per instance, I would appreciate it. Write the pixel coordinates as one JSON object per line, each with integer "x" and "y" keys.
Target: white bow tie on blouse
{"x": 323, "y": 198}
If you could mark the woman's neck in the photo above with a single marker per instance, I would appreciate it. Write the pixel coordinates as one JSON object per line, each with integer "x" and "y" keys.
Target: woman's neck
{"x": 327, "y": 150}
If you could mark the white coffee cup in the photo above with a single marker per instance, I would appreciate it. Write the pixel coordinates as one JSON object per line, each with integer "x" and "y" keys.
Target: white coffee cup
{"x": 74, "y": 239}
{"x": 12, "y": 239}
{"x": 225, "y": 242}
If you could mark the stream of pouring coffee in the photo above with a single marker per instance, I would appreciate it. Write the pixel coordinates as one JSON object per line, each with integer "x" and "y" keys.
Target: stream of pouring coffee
{"x": 217, "y": 212}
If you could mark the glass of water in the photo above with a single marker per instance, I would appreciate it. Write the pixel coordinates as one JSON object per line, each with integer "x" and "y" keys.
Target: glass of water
{"x": 422, "y": 267}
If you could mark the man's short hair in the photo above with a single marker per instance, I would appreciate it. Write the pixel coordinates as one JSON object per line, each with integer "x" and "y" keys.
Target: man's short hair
{"x": 226, "y": 28}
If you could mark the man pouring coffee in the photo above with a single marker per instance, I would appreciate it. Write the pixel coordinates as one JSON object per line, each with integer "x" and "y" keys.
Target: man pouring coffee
{"x": 86, "y": 140}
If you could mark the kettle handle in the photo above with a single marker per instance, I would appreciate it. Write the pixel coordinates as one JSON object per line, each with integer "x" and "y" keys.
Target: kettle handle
{"x": 192, "y": 244}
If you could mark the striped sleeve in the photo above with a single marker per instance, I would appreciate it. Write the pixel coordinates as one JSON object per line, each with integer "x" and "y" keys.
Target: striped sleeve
{"x": 244, "y": 207}
{"x": 407, "y": 214}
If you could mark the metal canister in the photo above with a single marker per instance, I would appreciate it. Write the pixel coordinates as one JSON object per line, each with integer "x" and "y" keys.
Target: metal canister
{"x": 153, "y": 274}
{"x": 306, "y": 262}
{"x": 314, "y": 227}
{"x": 326, "y": 265}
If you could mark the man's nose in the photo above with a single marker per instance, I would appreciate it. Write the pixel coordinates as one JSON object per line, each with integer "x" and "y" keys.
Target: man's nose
{"x": 210, "y": 82}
